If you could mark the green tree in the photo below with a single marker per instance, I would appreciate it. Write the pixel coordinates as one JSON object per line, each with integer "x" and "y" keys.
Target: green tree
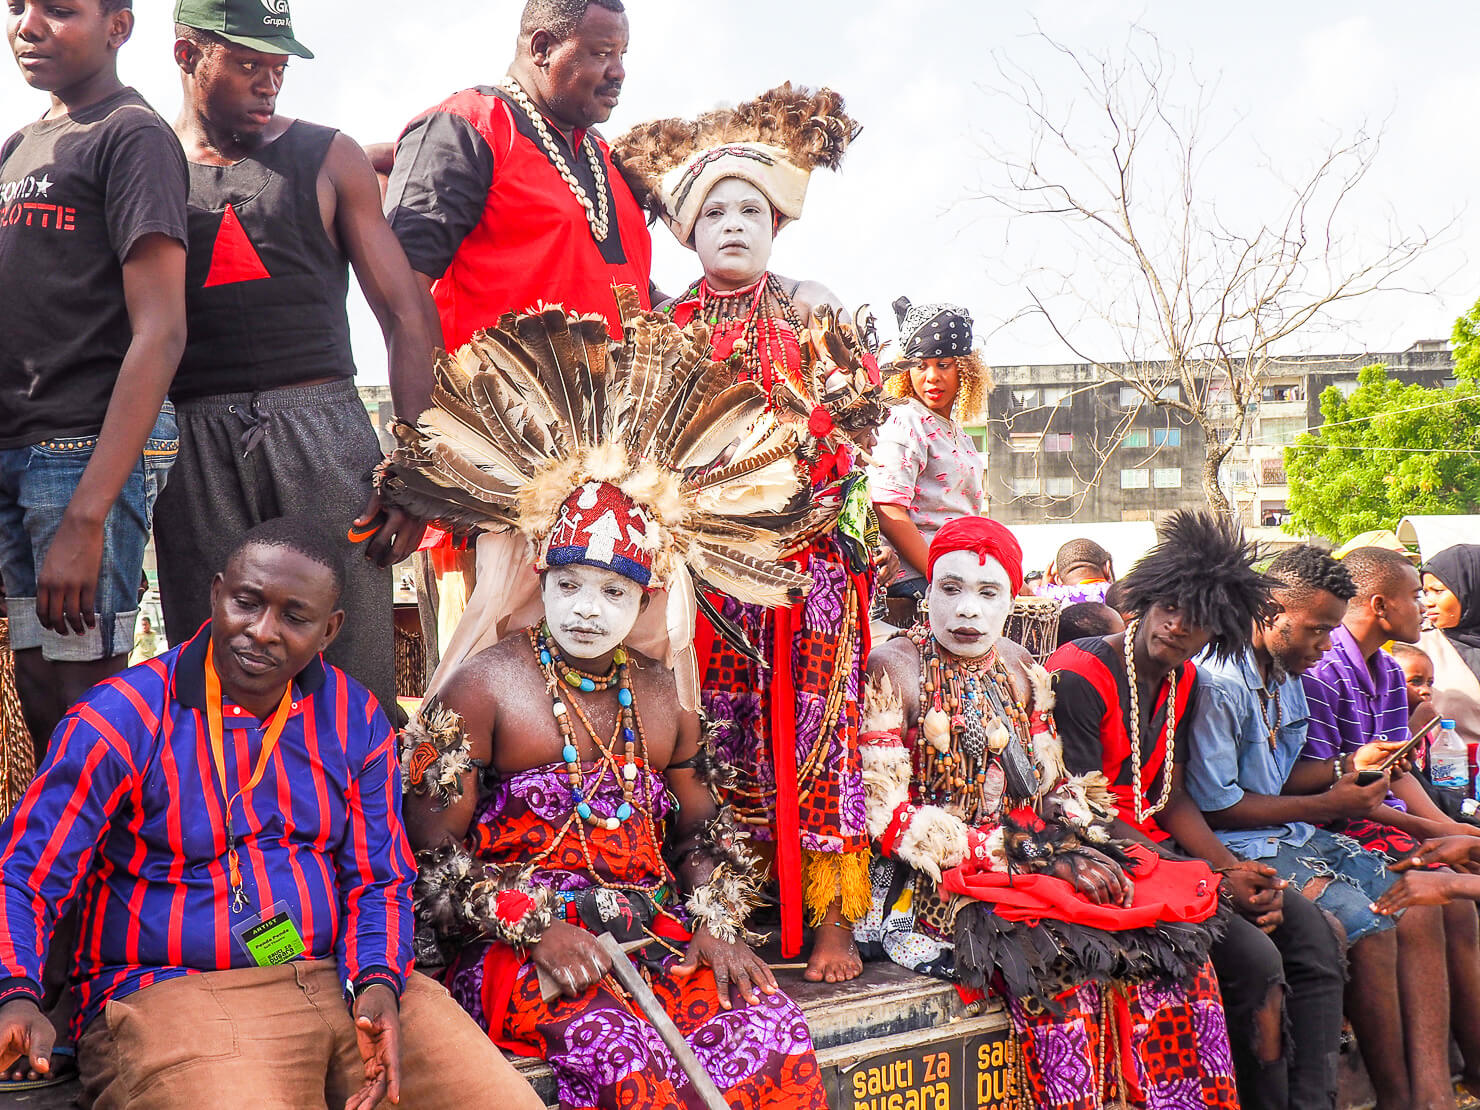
{"x": 1390, "y": 450}
{"x": 1466, "y": 342}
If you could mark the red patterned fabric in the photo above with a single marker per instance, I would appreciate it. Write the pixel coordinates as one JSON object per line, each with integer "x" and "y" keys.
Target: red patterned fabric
{"x": 1166, "y": 1050}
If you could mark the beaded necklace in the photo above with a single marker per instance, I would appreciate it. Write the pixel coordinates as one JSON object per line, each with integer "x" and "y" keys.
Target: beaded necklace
{"x": 628, "y": 728}
{"x": 763, "y": 299}
{"x": 1143, "y": 812}
{"x": 984, "y": 717}
{"x": 597, "y": 215}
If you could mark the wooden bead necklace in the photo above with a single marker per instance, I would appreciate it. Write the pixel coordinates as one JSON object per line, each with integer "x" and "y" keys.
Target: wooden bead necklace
{"x": 556, "y": 671}
{"x": 977, "y": 697}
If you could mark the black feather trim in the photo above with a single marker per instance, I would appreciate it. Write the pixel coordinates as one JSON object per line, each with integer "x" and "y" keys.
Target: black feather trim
{"x": 733, "y": 634}
{"x": 1037, "y": 961}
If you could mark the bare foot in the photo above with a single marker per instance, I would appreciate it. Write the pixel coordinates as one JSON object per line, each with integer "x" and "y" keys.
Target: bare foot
{"x": 834, "y": 957}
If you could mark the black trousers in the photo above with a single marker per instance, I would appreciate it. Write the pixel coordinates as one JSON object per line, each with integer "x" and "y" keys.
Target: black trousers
{"x": 1304, "y": 957}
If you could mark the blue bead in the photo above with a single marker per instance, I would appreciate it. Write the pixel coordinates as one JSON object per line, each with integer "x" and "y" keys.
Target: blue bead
{"x": 587, "y": 686}
{"x": 545, "y": 658}
{"x": 584, "y": 810}
{"x": 629, "y": 736}
{"x": 624, "y": 811}
{"x": 625, "y": 697}
{"x": 576, "y": 795}
{"x": 569, "y": 753}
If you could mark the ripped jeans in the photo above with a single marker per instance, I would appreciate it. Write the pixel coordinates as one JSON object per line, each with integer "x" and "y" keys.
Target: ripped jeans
{"x": 1347, "y": 879}
{"x": 1301, "y": 956}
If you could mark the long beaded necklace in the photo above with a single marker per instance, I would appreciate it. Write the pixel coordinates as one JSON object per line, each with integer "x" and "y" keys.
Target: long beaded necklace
{"x": 628, "y": 729}
{"x": 597, "y": 215}
{"x": 984, "y": 717}
{"x": 1143, "y": 812}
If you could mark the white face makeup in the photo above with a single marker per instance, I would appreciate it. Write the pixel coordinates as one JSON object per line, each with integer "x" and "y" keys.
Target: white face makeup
{"x": 590, "y": 610}
{"x": 969, "y": 603}
{"x": 733, "y": 234}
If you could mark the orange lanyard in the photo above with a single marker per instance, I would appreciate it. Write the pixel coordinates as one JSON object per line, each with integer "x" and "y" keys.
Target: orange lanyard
{"x": 217, "y": 730}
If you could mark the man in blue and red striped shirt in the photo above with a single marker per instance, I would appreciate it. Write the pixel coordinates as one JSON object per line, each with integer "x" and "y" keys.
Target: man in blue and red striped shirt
{"x": 227, "y": 817}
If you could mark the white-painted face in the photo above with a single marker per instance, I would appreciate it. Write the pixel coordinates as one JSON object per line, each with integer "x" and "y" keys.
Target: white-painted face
{"x": 590, "y": 610}
{"x": 733, "y": 234}
{"x": 969, "y": 603}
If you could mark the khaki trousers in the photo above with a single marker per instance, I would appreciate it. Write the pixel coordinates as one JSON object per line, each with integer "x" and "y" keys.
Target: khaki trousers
{"x": 281, "y": 1038}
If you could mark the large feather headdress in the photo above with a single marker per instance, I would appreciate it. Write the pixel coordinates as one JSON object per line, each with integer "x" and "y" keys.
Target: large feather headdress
{"x": 774, "y": 142}
{"x": 542, "y": 404}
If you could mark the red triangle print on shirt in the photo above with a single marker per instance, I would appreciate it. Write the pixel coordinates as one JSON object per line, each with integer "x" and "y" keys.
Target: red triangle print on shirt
{"x": 233, "y": 258}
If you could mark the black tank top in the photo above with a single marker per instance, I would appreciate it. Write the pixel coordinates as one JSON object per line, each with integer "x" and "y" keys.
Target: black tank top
{"x": 265, "y": 287}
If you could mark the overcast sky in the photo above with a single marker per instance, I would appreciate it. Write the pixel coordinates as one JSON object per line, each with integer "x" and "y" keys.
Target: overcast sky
{"x": 919, "y": 75}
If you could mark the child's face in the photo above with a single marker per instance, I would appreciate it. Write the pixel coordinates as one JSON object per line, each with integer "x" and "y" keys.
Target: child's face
{"x": 1418, "y": 673}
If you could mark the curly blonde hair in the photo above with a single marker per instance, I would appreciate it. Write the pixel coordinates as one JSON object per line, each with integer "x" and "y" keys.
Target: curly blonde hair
{"x": 971, "y": 397}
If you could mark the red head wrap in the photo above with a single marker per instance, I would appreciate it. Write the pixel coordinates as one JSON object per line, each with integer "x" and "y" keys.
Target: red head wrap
{"x": 985, "y": 537}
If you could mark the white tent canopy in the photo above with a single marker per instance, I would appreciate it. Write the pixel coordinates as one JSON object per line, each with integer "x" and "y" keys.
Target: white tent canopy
{"x": 1126, "y": 541}
{"x": 1432, "y": 534}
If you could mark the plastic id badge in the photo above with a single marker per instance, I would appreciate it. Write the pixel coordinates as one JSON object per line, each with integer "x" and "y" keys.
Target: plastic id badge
{"x": 270, "y": 938}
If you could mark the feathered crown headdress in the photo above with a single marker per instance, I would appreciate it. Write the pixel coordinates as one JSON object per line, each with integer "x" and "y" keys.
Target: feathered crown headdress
{"x": 774, "y": 142}
{"x": 541, "y": 418}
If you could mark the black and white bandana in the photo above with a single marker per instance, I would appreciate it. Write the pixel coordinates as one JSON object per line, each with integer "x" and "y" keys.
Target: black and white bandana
{"x": 932, "y": 330}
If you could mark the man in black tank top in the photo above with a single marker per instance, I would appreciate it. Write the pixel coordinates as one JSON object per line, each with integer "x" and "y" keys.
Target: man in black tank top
{"x": 270, "y": 421}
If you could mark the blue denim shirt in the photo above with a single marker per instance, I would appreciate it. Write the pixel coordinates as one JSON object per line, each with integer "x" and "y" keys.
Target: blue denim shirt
{"x": 1229, "y": 752}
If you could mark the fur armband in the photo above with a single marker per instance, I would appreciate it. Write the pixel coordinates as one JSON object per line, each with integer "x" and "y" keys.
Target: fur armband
{"x": 884, "y": 757}
{"x": 931, "y": 840}
{"x": 461, "y": 898}
{"x": 434, "y": 754}
{"x": 722, "y": 903}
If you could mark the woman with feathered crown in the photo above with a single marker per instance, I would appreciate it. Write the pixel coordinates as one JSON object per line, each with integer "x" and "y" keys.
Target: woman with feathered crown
{"x": 555, "y": 785}
{"x": 784, "y": 716}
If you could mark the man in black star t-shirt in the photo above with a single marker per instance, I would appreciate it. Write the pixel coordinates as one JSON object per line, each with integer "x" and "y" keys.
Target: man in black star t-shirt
{"x": 92, "y": 277}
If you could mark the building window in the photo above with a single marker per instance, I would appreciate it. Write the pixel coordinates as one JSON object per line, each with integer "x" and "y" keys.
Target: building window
{"x": 1136, "y": 437}
{"x": 1059, "y": 487}
{"x": 1055, "y": 394}
{"x": 1277, "y": 431}
{"x": 1026, "y": 487}
{"x": 1166, "y": 437}
{"x": 1024, "y": 398}
{"x": 1130, "y": 397}
{"x": 1058, "y": 443}
{"x": 1170, "y": 393}
{"x": 1167, "y": 477}
{"x": 1135, "y": 479}
{"x": 1024, "y": 443}
{"x": 1272, "y": 472}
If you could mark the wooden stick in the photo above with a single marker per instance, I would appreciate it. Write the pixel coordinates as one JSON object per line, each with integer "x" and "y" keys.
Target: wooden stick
{"x": 638, "y": 987}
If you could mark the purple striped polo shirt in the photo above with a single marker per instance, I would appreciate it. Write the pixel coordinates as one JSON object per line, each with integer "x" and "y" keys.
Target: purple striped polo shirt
{"x": 1352, "y": 704}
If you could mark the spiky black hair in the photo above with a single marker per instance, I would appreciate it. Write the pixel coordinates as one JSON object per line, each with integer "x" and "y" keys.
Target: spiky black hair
{"x": 1304, "y": 570}
{"x": 1204, "y": 565}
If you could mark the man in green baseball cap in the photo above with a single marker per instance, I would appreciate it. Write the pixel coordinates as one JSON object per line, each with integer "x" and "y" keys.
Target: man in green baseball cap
{"x": 264, "y": 25}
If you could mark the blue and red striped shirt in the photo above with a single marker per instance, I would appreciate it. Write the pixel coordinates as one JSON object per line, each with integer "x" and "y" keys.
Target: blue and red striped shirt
{"x": 127, "y": 816}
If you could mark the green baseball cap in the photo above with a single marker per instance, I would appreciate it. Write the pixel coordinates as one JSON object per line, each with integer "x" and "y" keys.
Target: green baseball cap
{"x": 264, "y": 25}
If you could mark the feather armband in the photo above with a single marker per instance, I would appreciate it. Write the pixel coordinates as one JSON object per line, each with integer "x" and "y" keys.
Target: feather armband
{"x": 927, "y": 837}
{"x": 883, "y": 755}
{"x": 435, "y": 755}
{"x": 463, "y": 899}
{"x": 722, "y": 903}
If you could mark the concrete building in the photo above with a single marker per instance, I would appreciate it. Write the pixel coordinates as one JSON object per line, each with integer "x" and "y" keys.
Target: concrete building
{"x": 1063, "y": 443}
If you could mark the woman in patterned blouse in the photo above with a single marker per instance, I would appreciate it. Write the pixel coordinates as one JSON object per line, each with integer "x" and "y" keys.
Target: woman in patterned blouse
{"x": 926, "y": 470}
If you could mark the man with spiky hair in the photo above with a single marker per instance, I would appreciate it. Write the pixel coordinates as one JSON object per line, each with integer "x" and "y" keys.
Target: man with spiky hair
{"x": 505, "y": 195}
{"x": 1246, "y": 736}
{"x": 1122, "y": 703}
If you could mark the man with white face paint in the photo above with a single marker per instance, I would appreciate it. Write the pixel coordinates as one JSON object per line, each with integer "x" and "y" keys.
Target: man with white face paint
{"x": 996, "y": 866}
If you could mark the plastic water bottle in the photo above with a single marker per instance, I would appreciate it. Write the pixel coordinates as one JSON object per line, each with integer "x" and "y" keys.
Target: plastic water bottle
{"x": 1449, "y": 759}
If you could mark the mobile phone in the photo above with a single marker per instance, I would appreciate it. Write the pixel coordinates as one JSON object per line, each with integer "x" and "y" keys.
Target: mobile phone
{"x": 1368, "y": 777}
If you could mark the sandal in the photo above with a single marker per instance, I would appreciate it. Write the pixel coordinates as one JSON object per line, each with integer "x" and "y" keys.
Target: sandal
{"x": 63, "y": 1070}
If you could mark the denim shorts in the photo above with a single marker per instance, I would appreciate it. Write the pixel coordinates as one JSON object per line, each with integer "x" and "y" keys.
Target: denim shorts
{"x": 36, "y": 484}
{"x": 1356, "y": 876}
